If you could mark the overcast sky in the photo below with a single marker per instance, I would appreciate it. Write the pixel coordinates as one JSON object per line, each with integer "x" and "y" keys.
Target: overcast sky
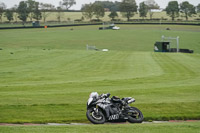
{"x": 79, "y": 3}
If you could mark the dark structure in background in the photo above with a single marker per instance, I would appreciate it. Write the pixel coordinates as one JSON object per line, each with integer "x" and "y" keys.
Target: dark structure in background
{"x": 108, "y": 26}
{"x": 161, "y": 47}
{"x": 165, "y": 47}
{"x": 36, "y": 23}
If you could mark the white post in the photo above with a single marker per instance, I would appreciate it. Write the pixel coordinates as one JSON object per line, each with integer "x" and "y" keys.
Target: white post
{"x": 169, "y": 40}
{"x": 163, "y": 37}
{"x": 87, "y": 47}
{"x": 177, "y": 39}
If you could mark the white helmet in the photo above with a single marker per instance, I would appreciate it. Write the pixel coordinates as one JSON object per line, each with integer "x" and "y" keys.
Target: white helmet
{"x": 94, "y": 95}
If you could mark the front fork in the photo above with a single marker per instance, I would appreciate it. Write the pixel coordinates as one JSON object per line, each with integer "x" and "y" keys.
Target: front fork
{"x": 106, "y": 111}
{"x": 96, "y": 109}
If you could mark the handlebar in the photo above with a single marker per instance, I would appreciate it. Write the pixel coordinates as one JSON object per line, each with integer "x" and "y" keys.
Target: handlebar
{"x": 105, "y": 95}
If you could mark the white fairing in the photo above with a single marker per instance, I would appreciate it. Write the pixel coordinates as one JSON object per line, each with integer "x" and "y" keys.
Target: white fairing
{"x": 92, "y": 96}
{"x": 90, "y": 100}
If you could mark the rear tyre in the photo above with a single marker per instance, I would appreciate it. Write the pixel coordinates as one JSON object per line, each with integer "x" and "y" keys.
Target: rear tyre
{"x": 135, "y": 116}
{"x": 95, "y": 117}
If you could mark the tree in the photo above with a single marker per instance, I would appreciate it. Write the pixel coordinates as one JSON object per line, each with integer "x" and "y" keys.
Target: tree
{"x": 143, "y": 9}
{"x": 9, "y": 15}
{"x": 59, "y": 12}
{"x": 2, "y": 8}
{"x": 173, "y": 9}
{"x": 45, "y": 10}
{"x": 98, "y": 10}
{"x": 23, "y": 11}
{"x": 36, "y": 12}
{"x": 112, "y": 15}
{"x": 151, "y": 6}
{"x": 188, "y": 9}
{"x": 128, "y": 8}
{"x": 198, "y": 8}
{"x": 31, "y": 6}
{"x": 15, "y": 15}
{"x": 68, "y": 3}
{"x": 87, "y": 11}
{"x": 112, "y": 6}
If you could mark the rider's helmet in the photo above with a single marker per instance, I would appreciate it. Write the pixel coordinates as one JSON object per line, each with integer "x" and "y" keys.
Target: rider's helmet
{"x": 94, "y": 95}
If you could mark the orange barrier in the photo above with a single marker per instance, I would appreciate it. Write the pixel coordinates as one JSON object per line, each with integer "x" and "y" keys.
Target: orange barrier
{"x": 45, "y": 27}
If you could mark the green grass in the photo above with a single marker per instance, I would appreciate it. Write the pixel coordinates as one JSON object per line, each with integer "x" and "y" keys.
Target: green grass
{"x": 46, "y": 75}
{"x": 185, "y": 127}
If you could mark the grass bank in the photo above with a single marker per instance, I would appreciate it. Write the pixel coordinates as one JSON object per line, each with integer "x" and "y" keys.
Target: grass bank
{"x": 46, "y": 75}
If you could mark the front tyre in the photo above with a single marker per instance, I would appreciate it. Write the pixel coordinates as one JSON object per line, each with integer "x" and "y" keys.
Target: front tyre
{"x": 96, "y": 117}
{"x": 135, "y": 115}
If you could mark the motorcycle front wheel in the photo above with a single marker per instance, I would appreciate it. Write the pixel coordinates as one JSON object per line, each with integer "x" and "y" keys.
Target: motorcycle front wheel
{"x": 96, "y": 117}
{"x": 135, "y": 116}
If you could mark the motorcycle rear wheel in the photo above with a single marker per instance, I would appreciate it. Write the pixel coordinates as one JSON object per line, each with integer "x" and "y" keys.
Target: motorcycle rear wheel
{"x": 94, "y": 117}
{"x": 136, "y": 116}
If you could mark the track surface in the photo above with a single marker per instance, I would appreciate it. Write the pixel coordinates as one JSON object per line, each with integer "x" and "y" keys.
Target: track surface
{"x": 63, "y": 124}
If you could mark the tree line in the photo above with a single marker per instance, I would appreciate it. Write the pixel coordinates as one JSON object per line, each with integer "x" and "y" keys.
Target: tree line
{"x": 128, "y": 8}
{"x": 34, "y": 10}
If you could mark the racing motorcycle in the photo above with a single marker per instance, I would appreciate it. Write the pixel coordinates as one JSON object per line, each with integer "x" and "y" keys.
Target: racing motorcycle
{"x": 101, "y": 109}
